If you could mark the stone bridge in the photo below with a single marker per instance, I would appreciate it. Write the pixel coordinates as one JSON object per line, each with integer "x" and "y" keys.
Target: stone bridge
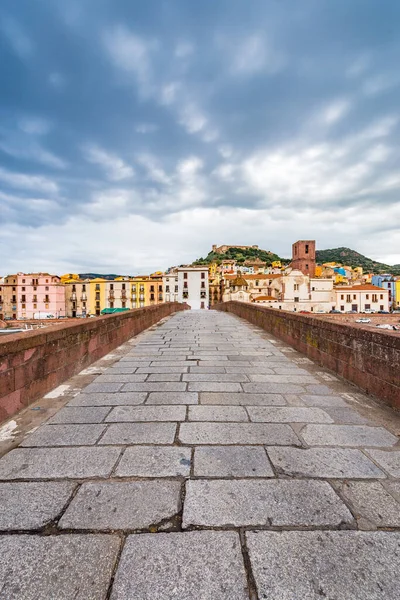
{"x": 204, "y": 459}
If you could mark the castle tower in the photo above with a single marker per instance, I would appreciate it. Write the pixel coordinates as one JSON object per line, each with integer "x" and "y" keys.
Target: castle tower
{"x": 303, "y": 257}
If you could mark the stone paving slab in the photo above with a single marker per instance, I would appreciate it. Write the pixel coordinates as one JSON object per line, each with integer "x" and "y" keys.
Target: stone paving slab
{"x": 155, "y": 461}
{"x": 33, "y": 504}
{"x": 323, "y": 401}
{"x": 122, "y": 505}
{"x": 372, "y": 505}
{"x": 139, "y": 433}
{"x": 237, "y": 433}
{"x": 168, "y": 386}
{"x": 390, "y": 461}
{"x": 325, "y": 463}
{"x": 348, "y": 416}
{"x": 164, "y": 377}
{"x": 347, "y": 435}
{"x": 203, "y": 386}
{"x": 76, "y": 415}
{"x": 242, "y": 399}
{"x": 336, "y": 565}
{"x": 273, "y": 502}
{"x": 266, "y": 378}
{"x": 122, "y": 414}
{"x": 197, "y": 565}
{"x": 173, "y": 398}
{"x": 120, "y": 378}
{"x": 223, "y": 377}
{"x": 295, "y": 414}
{"x": 273, "y": 388}
{"x": 64, "y": 435}
{"x": 231, "y": 461}
{"x": 162, "y": 370}
{"x": 118, "y": 399}
{"x": 217, "y": 413}
{"x": 68, "y": 567}
{"x": 58, "y": 463}
{"x": 94, "y": 388}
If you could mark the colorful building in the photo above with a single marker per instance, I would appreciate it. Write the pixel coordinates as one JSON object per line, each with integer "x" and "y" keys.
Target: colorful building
{"x": 361, "y": 298}
{"x": 30, "y": 295}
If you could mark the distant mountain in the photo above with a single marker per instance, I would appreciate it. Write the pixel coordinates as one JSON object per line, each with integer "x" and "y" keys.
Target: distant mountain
{"x": 240, "y": 255}
{"x": 97, "y": 276}
{"x": 349, "y": 257}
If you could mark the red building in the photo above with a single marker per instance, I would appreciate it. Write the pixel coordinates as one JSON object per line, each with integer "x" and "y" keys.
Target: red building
{"x": 303, "y": 257}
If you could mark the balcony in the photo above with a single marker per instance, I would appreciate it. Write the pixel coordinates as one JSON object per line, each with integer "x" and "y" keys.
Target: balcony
{"x": 84, "y": 297}
{"x": 73, "y": 296}
{"x": 111, "y": 294}
{"x": 123, "y": 294}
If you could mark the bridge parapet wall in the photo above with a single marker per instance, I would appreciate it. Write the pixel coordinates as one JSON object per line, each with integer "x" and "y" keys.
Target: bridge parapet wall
{"x": 33, "y": 363}
{"x": 370, "y": 359}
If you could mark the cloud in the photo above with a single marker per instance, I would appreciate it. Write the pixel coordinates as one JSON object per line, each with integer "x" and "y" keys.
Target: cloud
{"x": 16, "y": 36}
{"x": 132, "y": 54}
{"x": 36, "y": 183}
{"x": 251, "y": 55}
{"x": 146, "y": 127}
{"x": 335, "y": 111}
{"x": 116, "y": 169}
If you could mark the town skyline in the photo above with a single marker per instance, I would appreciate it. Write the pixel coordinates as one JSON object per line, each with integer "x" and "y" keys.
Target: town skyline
{"x": 133, "y": 134}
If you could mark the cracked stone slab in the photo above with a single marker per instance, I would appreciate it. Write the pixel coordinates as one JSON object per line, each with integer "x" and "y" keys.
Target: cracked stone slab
{"x": 122, "y": 505}
{"x": 325, "y": 463}
{"x": 139, "y": 433}
{"x": 390, "y": 461}
{"x": 172, "y": 398}
{"x": 372, "y": 505}
{"x": 217, "y": 413}
{"x": 347, "y": 435}
{"x": 206, "y": 565}
{"x": 117, "y": 399}
{"x": 311, "y": 565}
{"x": 231, "y": 461}
{"x": 84, "y": 414}
{"x": 122, "y": 414}
{"x": 266, "y": 414}
{"x": 58, "y": 463}
{"x": 242, "y": 399}
{"x": 237, "y": 433}
{"x": 155, "y": 461}
{"x": 277, "y": 502}
{"x": 67, "y": 567}
{"x": 64, "y": 435}
{"x": 33, "y": 504}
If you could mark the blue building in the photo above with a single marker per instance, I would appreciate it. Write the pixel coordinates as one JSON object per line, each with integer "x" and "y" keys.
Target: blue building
{"x": 388, "y": 282}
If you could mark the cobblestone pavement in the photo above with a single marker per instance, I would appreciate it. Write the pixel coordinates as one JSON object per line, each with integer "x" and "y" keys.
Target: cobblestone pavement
{"x": 210, "y": 462}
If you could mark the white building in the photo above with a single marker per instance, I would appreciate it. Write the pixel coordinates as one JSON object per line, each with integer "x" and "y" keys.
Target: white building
{"x": 193, "y": 286}
{"x": 170, "y": 286}
{"x": 361, "y": 298}
{"x": 117, "y": 294}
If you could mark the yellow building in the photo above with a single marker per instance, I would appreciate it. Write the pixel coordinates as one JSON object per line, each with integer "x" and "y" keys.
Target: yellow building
{"x": 147, "y": 290}
{"x": 212, "y": 270}
{"x": 77, "y": 294}
{"x": 97, "y": 295}
{"x": 69, "y": 277}
{"x": 397, "y": 293}
{"x": 318, "y": 270}
{"x": 276, "y": 264}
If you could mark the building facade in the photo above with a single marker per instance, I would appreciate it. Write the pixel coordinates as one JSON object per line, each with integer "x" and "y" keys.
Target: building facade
{"x": 29, "y": 295}
{"x": 361, "y": 298}
{"x": 303, "y": 257}
{"x": 170, "y": 286}
{"x": 193, "y": 286}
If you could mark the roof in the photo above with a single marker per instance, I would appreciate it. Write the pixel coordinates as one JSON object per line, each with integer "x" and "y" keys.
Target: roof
{"x": 270, "y": 298}
{"x": 362, "y": 288}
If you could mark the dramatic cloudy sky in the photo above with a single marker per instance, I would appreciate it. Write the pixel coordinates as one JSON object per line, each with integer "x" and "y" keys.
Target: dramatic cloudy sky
{"x": 134, "y": 134}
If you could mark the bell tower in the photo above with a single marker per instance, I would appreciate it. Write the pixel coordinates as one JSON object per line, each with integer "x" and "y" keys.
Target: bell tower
{"x": 303, "y": 257}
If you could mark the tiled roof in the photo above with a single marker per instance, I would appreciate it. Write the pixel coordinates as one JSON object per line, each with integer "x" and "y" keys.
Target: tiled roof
{"x": 361, "y": 288}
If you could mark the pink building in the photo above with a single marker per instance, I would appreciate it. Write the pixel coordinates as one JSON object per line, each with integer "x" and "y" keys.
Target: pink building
{"x": 26, "y": 295}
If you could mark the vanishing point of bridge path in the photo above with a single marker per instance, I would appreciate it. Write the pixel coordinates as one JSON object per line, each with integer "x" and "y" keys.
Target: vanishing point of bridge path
{"x": 205, "y": 460}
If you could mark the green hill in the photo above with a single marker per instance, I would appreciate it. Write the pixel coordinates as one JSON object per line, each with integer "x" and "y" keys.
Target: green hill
{"x": 97, "y": 276}
{"x": 349, "y": 257}
{"x": 240, "y": 255}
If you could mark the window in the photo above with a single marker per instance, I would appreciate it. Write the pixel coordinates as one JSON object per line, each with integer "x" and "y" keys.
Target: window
{"x": 367, "y": 306}
{"x": 111, "y": 304}
{"x": 124, "y": 304}
{"x": 202, "y": 305}
{"x": 160, "y": 288}
{"x": 367, "y": 296}
{"x": 307, "y": 266}
{"x": 203, "y": 285}
{"x": 152, "y": 288}
{"x": 23, "y": 298}
{"x": 23, "y": 289}
{"x": 47, "y": 288}
{"x": 167, "y": 288}
{"x": 13, "y": 289}
{"x": 14, "y": 299}
{"x": 47, "y": 281}
{"x": 342, "y": 296}
{"x": 348, "y": 298}
{"x": 354, "y": 297}
{"x": 296, "y": 287}
{"x": 111, "y": 286}
{"x": 176, "y": 289}
{"x": 203, "y": 275}
{"x": 306, "y": 248}
{"x": 24, "y": 306}
{"x": 374, "y": 298}
{"x": 35, "y": 298}
{"x": 84, "y": 288}
{"x": 97, "y": 295}
{"x": 23, "y": 281}
{"x": 185, "y": 276}
{"x": 123, "y": 286}
{"x": 97, "y": 287}
{"x": 73, "y": 288}
{"x": 342, "y": 308}
{"x": 381, "y": 307}
{"x": 185, "y": 284}
{"x": 35, "y": 306}
{"x": 296, "y": 299}
{"x": 151, "y": 296}
{"x": 382, "y": 297}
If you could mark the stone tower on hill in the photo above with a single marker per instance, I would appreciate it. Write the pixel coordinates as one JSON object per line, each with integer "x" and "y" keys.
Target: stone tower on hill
{"x": 303, "y": 257}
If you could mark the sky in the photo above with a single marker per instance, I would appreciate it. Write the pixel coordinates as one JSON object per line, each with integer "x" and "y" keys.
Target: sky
{"x": 134, "y": 135}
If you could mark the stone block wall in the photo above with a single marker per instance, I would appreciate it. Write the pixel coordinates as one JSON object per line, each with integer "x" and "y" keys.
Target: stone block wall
{"x": 33, "y": 363}
{"x": 370, "y": 359}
